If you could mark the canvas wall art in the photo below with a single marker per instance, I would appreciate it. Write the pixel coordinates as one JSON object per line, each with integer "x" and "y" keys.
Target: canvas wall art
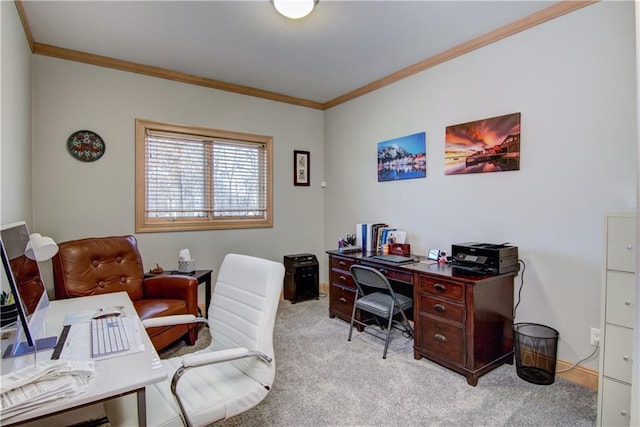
{"x": 402, "y": 158}
{"x": 488, "y": 145}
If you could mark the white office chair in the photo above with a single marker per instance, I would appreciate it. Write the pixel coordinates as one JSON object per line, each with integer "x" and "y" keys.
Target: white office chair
{"x": 236, "y": 371}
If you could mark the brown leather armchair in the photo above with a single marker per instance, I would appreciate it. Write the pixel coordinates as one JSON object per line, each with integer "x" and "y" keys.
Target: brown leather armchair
{"x": 101, "y": 265}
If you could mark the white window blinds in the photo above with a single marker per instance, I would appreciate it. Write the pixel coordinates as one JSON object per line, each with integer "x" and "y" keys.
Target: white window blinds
{"x": 192, "y": 177}
{"x": 196, "y": 178}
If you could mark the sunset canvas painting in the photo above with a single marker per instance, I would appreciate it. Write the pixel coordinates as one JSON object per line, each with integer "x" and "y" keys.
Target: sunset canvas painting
{"x": 488, "y": 145}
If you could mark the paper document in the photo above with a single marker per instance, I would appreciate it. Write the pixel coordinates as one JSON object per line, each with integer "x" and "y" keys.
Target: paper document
{"x": 86, "y": 315}
{"x": 46, "y": 382}
{"x": 78, "y": 343}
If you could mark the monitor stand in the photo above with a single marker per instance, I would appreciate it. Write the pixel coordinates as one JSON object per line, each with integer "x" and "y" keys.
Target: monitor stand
{"x": 23, "y": 348}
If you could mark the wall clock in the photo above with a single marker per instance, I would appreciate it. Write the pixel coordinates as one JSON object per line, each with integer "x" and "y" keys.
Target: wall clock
{"x": 85, "y": 145}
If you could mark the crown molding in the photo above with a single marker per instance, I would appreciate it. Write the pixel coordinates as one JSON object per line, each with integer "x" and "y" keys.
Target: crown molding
{"x": 537, "y": 18}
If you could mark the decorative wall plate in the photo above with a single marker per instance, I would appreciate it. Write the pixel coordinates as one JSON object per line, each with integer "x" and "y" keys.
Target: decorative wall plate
{"x": 85, "y": 145}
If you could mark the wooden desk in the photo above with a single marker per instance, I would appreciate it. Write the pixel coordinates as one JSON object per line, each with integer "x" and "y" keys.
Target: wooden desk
{"x": 203, "y": 276}
{"x": 114, "y": 377}
{"x": 463, "y": 322}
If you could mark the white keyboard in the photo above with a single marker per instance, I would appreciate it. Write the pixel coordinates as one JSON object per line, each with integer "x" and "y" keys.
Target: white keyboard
{"x": 108, "y": 336}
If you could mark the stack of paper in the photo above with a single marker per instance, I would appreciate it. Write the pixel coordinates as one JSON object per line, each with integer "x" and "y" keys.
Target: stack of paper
{"x": 45, "y": 382}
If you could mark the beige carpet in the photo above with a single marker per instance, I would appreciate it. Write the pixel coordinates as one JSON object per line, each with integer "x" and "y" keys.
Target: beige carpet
{"x": 323, "y": 380}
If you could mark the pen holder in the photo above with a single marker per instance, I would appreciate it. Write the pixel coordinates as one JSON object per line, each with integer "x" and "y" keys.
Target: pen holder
{"x": 188, "y": 266}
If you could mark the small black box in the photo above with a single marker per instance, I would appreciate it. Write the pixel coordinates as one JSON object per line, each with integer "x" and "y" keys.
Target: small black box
{"x": 301, "y": 277}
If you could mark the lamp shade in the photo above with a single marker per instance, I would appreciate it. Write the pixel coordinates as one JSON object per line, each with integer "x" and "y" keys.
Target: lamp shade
{"x": 40, "y": 248}
{"x": 294, "y": 9}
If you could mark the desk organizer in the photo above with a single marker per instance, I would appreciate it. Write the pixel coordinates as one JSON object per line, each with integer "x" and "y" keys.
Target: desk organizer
{"x": 403, "y": 249}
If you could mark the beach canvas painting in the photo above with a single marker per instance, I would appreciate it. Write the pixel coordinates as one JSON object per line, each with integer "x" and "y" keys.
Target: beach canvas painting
{"x": 402, "y": 158}
{"x": 488, "y": 145}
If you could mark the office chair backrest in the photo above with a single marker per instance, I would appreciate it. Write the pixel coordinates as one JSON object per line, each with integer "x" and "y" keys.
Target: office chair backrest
{"x": 243, "y": 310}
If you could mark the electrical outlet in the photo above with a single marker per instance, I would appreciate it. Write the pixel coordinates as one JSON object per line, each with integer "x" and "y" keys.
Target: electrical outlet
{"x": 595, "y": 336}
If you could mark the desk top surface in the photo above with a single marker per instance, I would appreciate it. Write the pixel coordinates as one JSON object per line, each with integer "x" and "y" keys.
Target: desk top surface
{"x": 422, "y": 265}
{"x": 113, "y": 376}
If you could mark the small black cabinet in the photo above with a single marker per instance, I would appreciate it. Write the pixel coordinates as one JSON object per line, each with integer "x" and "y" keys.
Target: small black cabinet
{"x": 301, "y": 280}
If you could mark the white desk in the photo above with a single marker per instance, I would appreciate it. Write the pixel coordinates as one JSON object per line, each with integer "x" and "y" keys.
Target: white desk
{"x": 114, "y": 377}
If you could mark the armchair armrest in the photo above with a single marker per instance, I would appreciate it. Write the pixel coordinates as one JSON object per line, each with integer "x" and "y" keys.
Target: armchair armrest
{"x": 196, "y": 360}
{"x": 173, "y": 287}
{"x": 178, "y": 319}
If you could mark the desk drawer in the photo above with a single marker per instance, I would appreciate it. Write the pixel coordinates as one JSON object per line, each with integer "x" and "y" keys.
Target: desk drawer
{"x": 443, "y": 340}
{"x": 441, "y": 288}
{"x": 441, "y": 308}
{"x": 341, "y": 263}
{"x": 398, "y": 276}
{"x": 392, "y": 274}
{"x": 342, "y": 278}
{"x": 341, "y": 299}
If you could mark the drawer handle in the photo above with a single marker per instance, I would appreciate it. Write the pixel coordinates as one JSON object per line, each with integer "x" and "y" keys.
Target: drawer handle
{"x": 625, "y": 358}
{"x": 441, "y": 308}
{"x": 439, "y": 287}
{"x": 343, "y": 300}
{"x": 629, "y": 247}
{"x": 343, "y": 278}
{"x": 623, "y": 413}
{"x": 627, "y": 303}
{"x": 440, "y": 337}
{"x": 342, "y": 263}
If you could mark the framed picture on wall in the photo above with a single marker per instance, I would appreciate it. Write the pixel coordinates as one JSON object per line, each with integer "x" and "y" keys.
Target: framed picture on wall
{"x": 402, "y": 158}
{"x": 301, "y": 168}
{"x": 487, "y": 145}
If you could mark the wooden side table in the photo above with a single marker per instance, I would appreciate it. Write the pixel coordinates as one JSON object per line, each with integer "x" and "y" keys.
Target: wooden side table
{"x": 203, "y": 276}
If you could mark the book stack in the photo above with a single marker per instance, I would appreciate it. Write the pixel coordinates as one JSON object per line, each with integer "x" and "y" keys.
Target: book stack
{"x": 372, "y": 236}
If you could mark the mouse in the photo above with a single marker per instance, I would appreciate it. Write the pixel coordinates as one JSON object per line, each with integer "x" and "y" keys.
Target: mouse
{"x": 106, "y": 313}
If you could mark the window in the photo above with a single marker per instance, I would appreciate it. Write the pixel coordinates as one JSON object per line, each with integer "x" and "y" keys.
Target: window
{"x": 192, "y": 178}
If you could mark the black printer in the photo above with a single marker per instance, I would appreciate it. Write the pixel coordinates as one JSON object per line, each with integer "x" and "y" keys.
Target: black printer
{"x": 485, "y": 258}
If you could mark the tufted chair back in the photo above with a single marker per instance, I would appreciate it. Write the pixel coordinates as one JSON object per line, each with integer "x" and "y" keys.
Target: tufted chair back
{"x": 98, "y": 265}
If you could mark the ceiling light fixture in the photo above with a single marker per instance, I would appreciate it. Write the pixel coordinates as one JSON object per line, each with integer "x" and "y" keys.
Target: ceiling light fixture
{"x": 294, "y": 9}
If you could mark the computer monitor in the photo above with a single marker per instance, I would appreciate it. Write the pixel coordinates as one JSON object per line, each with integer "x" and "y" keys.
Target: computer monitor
{"x": 25, "y": 282}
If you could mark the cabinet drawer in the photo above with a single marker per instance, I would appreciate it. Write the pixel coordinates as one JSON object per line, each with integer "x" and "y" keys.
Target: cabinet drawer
{"x": 441, "y": 308}
{"x": 341, "y": 263}
{"x": 392, "y": 274}
{"x": 620, "y": 297}
{"x": 398, "y": 276}
{"x": 442, "y": 288}
{"x": 443, "y": 340}
{"x": 616, "y": 403}
{"x": 618, "y": 352}
{"x": 342, "y": 278}
{"x": 341, "y": 299}
{"x": 621, "y": 243}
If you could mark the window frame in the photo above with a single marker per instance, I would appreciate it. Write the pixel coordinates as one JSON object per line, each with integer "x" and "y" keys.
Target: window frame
{"x": 143, "y": 224}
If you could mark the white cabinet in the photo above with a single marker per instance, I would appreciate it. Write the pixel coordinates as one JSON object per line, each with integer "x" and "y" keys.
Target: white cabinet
{"x": 616, "y": 355}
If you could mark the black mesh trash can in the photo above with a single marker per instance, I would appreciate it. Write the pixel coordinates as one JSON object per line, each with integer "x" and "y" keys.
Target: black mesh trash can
{"x": 536, "y": 349}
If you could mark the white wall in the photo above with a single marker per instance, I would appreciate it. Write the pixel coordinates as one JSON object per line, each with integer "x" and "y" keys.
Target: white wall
{"x": 15, "y": 119}
{"x": 73, "y": 199}
{"x": 573, "y": 80}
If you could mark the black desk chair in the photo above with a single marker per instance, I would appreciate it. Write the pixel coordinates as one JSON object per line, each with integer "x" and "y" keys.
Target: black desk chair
{"x": 374, "y": 295}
